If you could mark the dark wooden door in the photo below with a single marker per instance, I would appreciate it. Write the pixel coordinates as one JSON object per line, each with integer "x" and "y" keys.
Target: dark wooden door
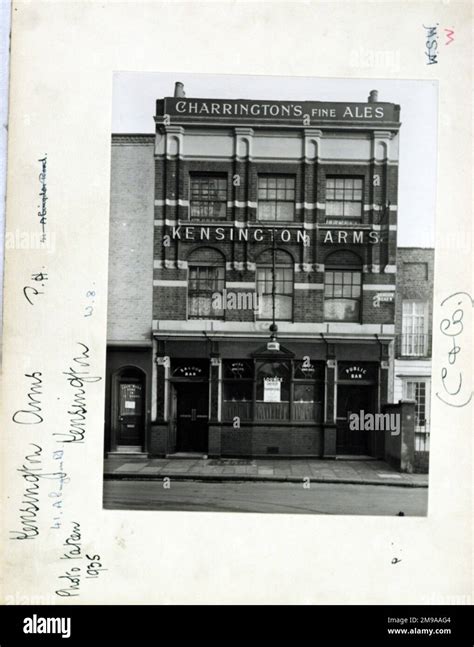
{"x": 353, "y": 398}
{"x": 130, "y": 425}
{"x": 192, "y": 417}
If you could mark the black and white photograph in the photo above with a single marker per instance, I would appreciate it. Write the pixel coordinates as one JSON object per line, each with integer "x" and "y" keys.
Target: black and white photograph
{"x": 237, "y": 321}
{"x": 270, "y": 294}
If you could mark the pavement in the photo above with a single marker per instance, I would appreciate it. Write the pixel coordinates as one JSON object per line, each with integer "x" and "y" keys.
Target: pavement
{"x": 357, "y": 472}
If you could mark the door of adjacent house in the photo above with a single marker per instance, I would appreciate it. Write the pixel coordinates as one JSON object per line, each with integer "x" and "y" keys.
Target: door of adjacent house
{"x": 353, "y": 398}
{"x": 130, "y": 411}
{"x": 192, "y": 416}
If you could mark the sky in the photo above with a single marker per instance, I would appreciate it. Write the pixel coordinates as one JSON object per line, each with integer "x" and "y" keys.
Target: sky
{"x": 135, "y": 94}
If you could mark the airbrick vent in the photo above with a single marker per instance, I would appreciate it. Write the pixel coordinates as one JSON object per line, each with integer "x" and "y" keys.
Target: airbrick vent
{"x": 273, "y": 450}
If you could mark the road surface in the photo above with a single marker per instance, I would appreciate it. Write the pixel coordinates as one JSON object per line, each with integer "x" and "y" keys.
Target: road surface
{"x": 293, "y": 498}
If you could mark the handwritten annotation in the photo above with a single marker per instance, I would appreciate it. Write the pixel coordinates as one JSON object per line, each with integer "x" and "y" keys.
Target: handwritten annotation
{"x": 454, "y": 392}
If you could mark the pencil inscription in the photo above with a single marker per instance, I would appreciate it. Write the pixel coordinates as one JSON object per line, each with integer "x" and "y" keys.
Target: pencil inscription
{"x": 454, "y": 391}
{"x": 31, "y": 413}
{"x": 78, "y": 377}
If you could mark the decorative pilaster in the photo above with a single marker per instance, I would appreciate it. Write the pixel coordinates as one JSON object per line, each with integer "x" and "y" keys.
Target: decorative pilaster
{"x": 162, "y": 388}
{"x": 330, "y": 433}
{"x": 243, "y": 139}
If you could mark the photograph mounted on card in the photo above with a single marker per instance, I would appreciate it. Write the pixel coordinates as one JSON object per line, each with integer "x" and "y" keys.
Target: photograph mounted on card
{"x": 271, "y": 322}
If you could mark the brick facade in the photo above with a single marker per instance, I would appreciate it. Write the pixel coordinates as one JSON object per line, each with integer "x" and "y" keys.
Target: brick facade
{"x": 415, "y": 281}
{"x": 154, "y": 241}
{"x": 412, "y": 366}
{"x": 131, "y": 238}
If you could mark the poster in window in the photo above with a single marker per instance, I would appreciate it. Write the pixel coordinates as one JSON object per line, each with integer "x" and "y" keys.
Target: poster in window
{"x": 272, "y": 389}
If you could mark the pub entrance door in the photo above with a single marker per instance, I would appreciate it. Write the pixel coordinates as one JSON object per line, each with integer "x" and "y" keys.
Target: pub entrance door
{"x": 192, "y": 416}
{"x": 353, "y": 398}
{"x": 357, "y": 393}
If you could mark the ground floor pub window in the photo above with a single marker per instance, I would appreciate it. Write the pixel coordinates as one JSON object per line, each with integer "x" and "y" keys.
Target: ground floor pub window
{"x": 273, "y": 390}
{"x": 308, "y": 391}
{"x": 237, "y": 389}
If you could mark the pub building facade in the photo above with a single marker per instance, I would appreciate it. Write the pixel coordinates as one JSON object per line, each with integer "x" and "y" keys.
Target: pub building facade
{"x": 252, "y": 278}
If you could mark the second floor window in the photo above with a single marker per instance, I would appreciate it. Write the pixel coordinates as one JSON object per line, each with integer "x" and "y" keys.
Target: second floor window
{"x": 414, "y": 340}
{"x": 276, "y": 198}
{"x": 343, "y": 200}
{"x": 342, "y": 295}
{"x": 208, "y": 197}
{"x": 205, "y": 292}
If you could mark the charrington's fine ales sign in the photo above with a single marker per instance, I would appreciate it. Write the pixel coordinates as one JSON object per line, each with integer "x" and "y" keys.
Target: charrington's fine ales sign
{"x": 285, "y": 111}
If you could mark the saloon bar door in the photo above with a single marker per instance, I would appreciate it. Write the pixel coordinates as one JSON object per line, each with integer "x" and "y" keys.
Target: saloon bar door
{"x": 192, "y": 416}
{"x": 130, "y": 411}
{"x": 190, "y": 411}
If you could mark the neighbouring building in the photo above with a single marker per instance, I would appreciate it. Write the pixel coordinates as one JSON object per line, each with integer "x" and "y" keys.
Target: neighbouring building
{"x": 413, "y": 330}
{"x": 252, "y": 277}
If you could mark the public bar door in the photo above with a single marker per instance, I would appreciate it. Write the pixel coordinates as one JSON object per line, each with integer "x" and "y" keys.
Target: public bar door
{"x": 356, "y": 394}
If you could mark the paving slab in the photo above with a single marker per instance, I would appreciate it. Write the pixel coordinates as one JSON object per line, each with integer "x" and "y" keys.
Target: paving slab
{"x": 130, "y": 467}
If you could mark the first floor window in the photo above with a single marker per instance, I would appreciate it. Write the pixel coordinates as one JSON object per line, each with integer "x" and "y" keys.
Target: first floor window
{"x": 208, "y": 197}
{"x": 414, "y": 328}
{"x": 342, "y": 295}
{"x": 205, "y": 292}
{"x": 275, "y": 285}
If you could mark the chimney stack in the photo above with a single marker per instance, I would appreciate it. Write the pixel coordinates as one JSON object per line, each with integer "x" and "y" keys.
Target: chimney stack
{"x": 373, "y": 96}
{"x": 179, "y": 92}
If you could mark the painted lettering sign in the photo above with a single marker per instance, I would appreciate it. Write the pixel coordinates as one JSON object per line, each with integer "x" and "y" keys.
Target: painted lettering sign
{"x": 301, "y": 111}
{"x": 355, "y": 372}
{"x": 259, "y": 234}
{"x": 353, "y": 236}
{"x": 253, "y": 234}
